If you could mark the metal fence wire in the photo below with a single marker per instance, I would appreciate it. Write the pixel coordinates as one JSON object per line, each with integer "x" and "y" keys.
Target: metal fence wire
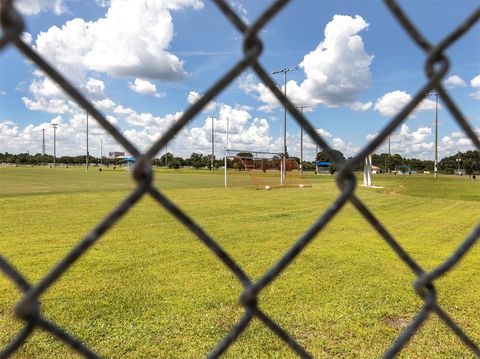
{"x": 436, "y": 66}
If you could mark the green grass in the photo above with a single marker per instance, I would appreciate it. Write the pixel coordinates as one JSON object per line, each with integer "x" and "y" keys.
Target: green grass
{"x": 149, "y": 288}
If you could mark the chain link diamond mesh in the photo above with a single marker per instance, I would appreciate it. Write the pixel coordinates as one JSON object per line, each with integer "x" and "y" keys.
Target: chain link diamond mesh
{"x": 436, "y": 66}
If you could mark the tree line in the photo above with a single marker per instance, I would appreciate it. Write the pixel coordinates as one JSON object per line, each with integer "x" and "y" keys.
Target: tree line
{"x": 469, "y": 161}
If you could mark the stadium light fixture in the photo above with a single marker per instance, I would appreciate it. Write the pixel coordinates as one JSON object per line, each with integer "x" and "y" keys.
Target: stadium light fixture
{"x": 285, "y": 70}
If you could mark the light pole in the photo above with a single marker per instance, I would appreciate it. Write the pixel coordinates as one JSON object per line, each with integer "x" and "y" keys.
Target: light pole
{"x": 86, "y": 158}
{"x": 54, "y": 125}
{"x": 213, "y": 142}
{"x": 435, "y": 168}
{"x": 301, "y": 107}
{"x": 166, "y": 155}
{"x": 228, "y": 120}
{"x": 43, "y": 141}
{"x": 285, "y": 70}
{"x": 101, "y": 152}
{"x": 458, "y": 159}
{"x": 389, "y": 154}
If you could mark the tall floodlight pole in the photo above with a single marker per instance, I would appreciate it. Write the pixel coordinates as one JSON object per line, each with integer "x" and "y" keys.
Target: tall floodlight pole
{"x": 225, "y": 164}
{"x": 43, "y": 141}
{"x": 213, "y": 142}
{"x": 284, "y": 71}
{"x": 389, "y": 153}
{"x": 228, "y": 120}
{"x": 435, "y": 164}
{"x": 166, "y": 155}
{"x": 316, "y": 160}
{"x": 86, "y": 158}
{"x": 301, "y": 107}
{"x": 101, "y": 152}
{"x": 458, "y": 159}
{"x": 54, "y": 125}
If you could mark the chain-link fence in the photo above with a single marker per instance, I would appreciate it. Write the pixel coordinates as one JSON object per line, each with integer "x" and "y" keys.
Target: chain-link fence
{"x": 436, "y": 67}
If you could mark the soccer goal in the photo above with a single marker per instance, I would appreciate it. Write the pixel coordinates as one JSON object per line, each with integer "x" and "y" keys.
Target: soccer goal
{"x": 263, "y": 170}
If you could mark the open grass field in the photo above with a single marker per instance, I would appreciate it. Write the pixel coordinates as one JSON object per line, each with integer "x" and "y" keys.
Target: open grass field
{"x": 149, "y": 288}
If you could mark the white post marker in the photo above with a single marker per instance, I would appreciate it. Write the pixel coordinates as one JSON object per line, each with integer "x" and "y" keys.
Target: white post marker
{"x": 367, "y": 171}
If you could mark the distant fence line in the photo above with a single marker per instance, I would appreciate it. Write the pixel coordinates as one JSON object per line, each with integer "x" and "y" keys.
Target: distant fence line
{"x": 28, "y": 308}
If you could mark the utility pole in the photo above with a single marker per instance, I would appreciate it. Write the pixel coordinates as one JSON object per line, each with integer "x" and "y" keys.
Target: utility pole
{"x": 101, "y": 152}
{"x": 166, "y": 155}
{"x": 43, "y": 141}
{"x": 86, "y": 158}
{"x": 435, "y": 165}
{"x": 228, "y": 120}
{"x": 54, "y": 125}
{"x": 284, "y": 71}
{"x": 213, "y": 143}
{"x": 301, "y": 107}
{"x": 389, "y": 154}
{"x": 316, "y": 160}
{"x": 458, "y": 159}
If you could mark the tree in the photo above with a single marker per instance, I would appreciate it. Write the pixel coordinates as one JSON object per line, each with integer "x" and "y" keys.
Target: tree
{"x": 245, "y": 154}
{"x": 322, "y": 156}
{"x": 166, "y": 159}
{"x": 196, "y": 160}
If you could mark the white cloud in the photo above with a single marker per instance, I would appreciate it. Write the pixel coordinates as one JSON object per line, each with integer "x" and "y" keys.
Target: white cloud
{"x": 130, "y": 40}
{"x": 475, "y": 83}
{"x": 27, "y": 38}
{"x": 102, "y": 3}
{"x": 337, "y": 71}
{"x": 454, "y": 81}
{"x": 194, "y": 96}
{"x": 419, "y": 143}
{"x": 144, "y": 87}
{"x": 48, "y": 97}
{"x": 393, "y": 102}
{"x": 241, "y": 10}
{"x": 359, "y": 106}
{"x": 408, "y": 143}
{"x": 458, "y": 141}
{"x": 32, "y": 7}
{"x": 70, "y": 136}
{"x": 95, "y": 88}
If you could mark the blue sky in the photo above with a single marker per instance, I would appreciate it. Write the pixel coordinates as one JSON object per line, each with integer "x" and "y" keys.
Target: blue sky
{"x": 357, "y": 68}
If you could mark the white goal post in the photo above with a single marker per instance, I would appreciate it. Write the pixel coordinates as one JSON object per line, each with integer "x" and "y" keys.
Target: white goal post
{"x": 262, "y": 169}
{"x": 256, "y": 159}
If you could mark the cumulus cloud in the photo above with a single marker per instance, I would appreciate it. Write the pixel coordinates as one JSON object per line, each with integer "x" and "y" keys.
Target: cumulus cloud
{"x": 393, "y": 102}
{"x": 475, "y": 83}
{"x": 458, "y": 141}
{"x": 194, "y": 96}
{"x": 454, "y": 81}
{"x": 32, "y": 7}
{"x": 130, "y": 40}
{"x": 409, "y": 143}
{"x": 48, "y": 97}
{"x": 27, "y": 38}
{"x": 419, "y": 143}
{"x": 336, "y": 72}
{"x": 70, "y": 136}
{"x": 145, "y": 87}
{"x": 261, "y": 92}
{"x": 359, "y": 106}
{"x": 95, "y": 87}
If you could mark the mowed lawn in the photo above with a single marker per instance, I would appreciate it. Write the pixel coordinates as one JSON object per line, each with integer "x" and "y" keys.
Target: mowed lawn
{"x": 150, "y": 288}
